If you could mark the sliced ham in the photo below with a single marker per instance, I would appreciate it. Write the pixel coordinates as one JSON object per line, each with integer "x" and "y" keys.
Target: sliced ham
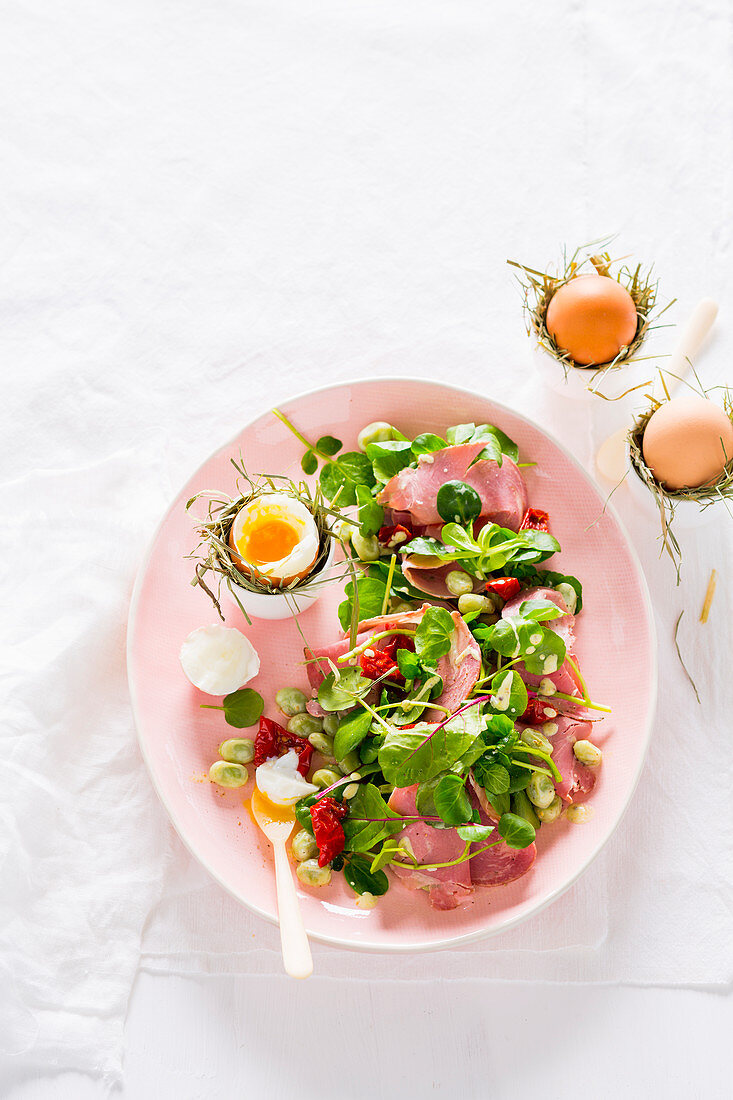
{"x": 578, "y": 780}
{"x": 414, "y": 490}
{"x": 459, "y": 669}
{"x": 430, "y": 578}
{"x": 500, "y": 864}
{"x": 448, "y": 887}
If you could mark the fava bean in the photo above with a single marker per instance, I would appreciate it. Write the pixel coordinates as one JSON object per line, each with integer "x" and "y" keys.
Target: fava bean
{"x": 459, "y": 583}
{"x": 304, "y": 846}
{"x": 238, "y": 750}
{"x": 379, "y": 431}
{"x": 550, "y": 813}
{"x": 303, "y": 725}
{"x": 291, "y": 701}
{"x": 367, "y": 549}
{"x": 349, "y": 763}
{"x": 540, "y": 790}
{"x": 472, "y": 601}
{"x": 228, "y": 775}
{"x": 331, "y": 724}
{"x": 310, "y": 874}
{"x": 587, "y": 753}
{"x": 322, "y": 743}
{"x": 325, "y": 777}
{"x": 578, "y": 815}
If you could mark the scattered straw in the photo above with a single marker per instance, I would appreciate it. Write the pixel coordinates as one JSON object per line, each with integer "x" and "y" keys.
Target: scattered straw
{"x": 709, "y": 597}
{"x": 677, "y": 647}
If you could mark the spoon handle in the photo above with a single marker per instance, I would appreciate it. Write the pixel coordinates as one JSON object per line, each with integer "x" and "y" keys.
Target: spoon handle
{"x": 295, "y": 947}
{"x": 699, "y": 324}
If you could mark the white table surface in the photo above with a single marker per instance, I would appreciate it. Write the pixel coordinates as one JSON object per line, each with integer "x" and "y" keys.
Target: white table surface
{"x": 223, "y": 199}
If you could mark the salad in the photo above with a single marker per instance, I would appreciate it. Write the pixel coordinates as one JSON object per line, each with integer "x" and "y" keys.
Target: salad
{"x": 447, "y": 720}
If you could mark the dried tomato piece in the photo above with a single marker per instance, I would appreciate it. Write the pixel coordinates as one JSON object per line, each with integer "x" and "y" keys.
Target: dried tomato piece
{"x": 537, "y": 713}
{"x": 377, "y": 662}
{"x": 535, "y": 520}
{"x": 326, "y": 817}
{"x": 506, "y": 587}
{"x": 392, "y": 537}
{"x": 273, "y": 740}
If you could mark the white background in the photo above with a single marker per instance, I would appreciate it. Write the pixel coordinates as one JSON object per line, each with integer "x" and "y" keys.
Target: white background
{"x": 211, "y": 205}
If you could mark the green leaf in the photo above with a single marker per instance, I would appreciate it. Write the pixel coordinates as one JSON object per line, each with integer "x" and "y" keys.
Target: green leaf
{"x": 329, "y": 445}
{"x": 539, "y": 610}
{"x": 368, "y": 803}
{"x": 309, "y": 463}
{"x": 451, "y": 800}
{"x": 501, "y": 803}
{"x": 458, "y": 502}
{"x": 243, "y": 708}
{"x": 410, "y": 756}
{"x": 495, "y": 780}
{"x": 386, "y": 854}
{"x": 342, "y": 693}
{"x": 460, "y": 433}
{"x": 434, "y": 634}
{"x": 424, "y": 797}
{"x": 463, "y": 540}
{"x": 371, "y": 597}
{"x": 356, "y": 467}
{"x": 428, "y": 547}
{"x": 548, "y": 654}
{"x": 333, "y": 481}
{"x": 427, "y": 443}
{"x": 475, "y": 833}
{"x": 363, "y": 880}
{"x": 497, "y": 442}
{"x": 508, "y": 693}
{"x": 303, "y": 812}
{"x": 371, "y": 514}
{"x": 501, "y": 637}
{"x": 547, "y": 578}
{"x": 516, "y": 831}
{"x": 389, "y": 458}
{"x": 408, "y": 663}
{"x": 351, "y": 732}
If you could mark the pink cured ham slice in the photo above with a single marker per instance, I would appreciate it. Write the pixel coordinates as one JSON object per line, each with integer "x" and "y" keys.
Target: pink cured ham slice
{"x": 414, "y": 490}
{"x": 448, "y": 887}
{"x": 564, "y": 625}
{"x": 501, "y": 864}
{"x": 578, "y": 780}
{"x": 459, "y": 669}
{"x": 431, "y": 578}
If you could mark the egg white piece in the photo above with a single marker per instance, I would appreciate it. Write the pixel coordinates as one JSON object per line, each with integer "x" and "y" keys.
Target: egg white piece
{"x": 277, "y": 508}
{"x": 218, "y": 659}
{"x": 280, "y": 781}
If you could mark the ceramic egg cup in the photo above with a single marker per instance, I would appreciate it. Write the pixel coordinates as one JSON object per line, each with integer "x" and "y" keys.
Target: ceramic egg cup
{"x": 573, "y": 382}
{"x": 687, "y": 513}
{"x": 283, "y": 605}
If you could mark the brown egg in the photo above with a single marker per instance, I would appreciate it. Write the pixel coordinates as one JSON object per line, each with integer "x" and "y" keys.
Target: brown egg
{"x": 687, "y": 442}
{"x": 591, "y": 318}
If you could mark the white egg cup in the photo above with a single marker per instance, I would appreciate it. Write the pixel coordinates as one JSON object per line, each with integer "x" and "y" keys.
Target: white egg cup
{"x": 687, "y": 513}
{"x": 573, "y": 382}
{"x": 283, "y": 605}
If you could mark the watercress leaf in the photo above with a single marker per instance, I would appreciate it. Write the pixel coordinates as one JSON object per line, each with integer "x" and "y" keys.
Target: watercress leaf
{"x": 370, "y": 591}
{"x": 434, "y": 634}
{"x": 371, "y": 514}
{"x": 303, "y": 812}
{"x": 475, "y": 833}
{"x": 495, "y": 779}
{"x": 548, "y": 578}
{"x": 309, "y": 463}
{"x": 451, "y": 800}
{"x": 388, "y": 458}
{"x": 243, "y": 708}
{"x": 539, "y": 610}
{"x": 427, "y": 443}
{"x": 333, "y": 480}
{"x": 408, "y": 663}
{"x": 501, "y": 637}
{"x": 342, "y": 693}
{"x": 424, "y": 797}
{"x": 361, "y": 835}
{"x": 547, "y": 654}
{"x": 362, "y": 879}
{"x": 458, "y": 502}
{"x": 329, "y": 445}
{"x": 517, "y": 832}
{"x": 389, "y": 850}
{"x": 501, "y": 803}
{"x": 523, "y": 808}
{"x": 352, "y": 730}
{"x": 508, "y": 693}
{"x": 356, "y": 467}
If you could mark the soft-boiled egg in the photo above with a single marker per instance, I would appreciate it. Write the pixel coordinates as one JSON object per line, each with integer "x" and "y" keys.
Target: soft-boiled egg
{"x": 279, "y": 780}
{"x": 592, "y": 317}
{"x": 275, "y": 538}
{"x": 219, "y": 659}
{"x": 688, "y": 442}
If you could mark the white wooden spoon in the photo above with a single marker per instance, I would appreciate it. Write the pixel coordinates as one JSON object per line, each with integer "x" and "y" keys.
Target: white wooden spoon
{"x": 277, "y": 827}
{"x": 611, "y": 455}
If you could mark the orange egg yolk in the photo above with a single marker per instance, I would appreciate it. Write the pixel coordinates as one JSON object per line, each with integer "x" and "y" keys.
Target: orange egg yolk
{"x": 270, "y": 541}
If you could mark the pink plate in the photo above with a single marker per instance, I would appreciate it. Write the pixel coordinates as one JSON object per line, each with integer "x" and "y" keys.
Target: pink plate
{"x": 616, "y": 646}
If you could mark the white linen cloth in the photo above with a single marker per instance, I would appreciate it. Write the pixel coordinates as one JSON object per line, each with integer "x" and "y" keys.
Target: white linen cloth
{"x": 209, "y": 207}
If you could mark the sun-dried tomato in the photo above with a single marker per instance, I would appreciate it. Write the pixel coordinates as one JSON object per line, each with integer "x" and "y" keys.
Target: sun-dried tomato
{"x": 326, "y": 817}
{"x": 506, "y": 587}
{"x": 274, "y": 740}
{"x": 535, "y": 520}
{"x": 378, "y": 662}
{"x": 392, "y": 537}
{"x": 537, "y": 713}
